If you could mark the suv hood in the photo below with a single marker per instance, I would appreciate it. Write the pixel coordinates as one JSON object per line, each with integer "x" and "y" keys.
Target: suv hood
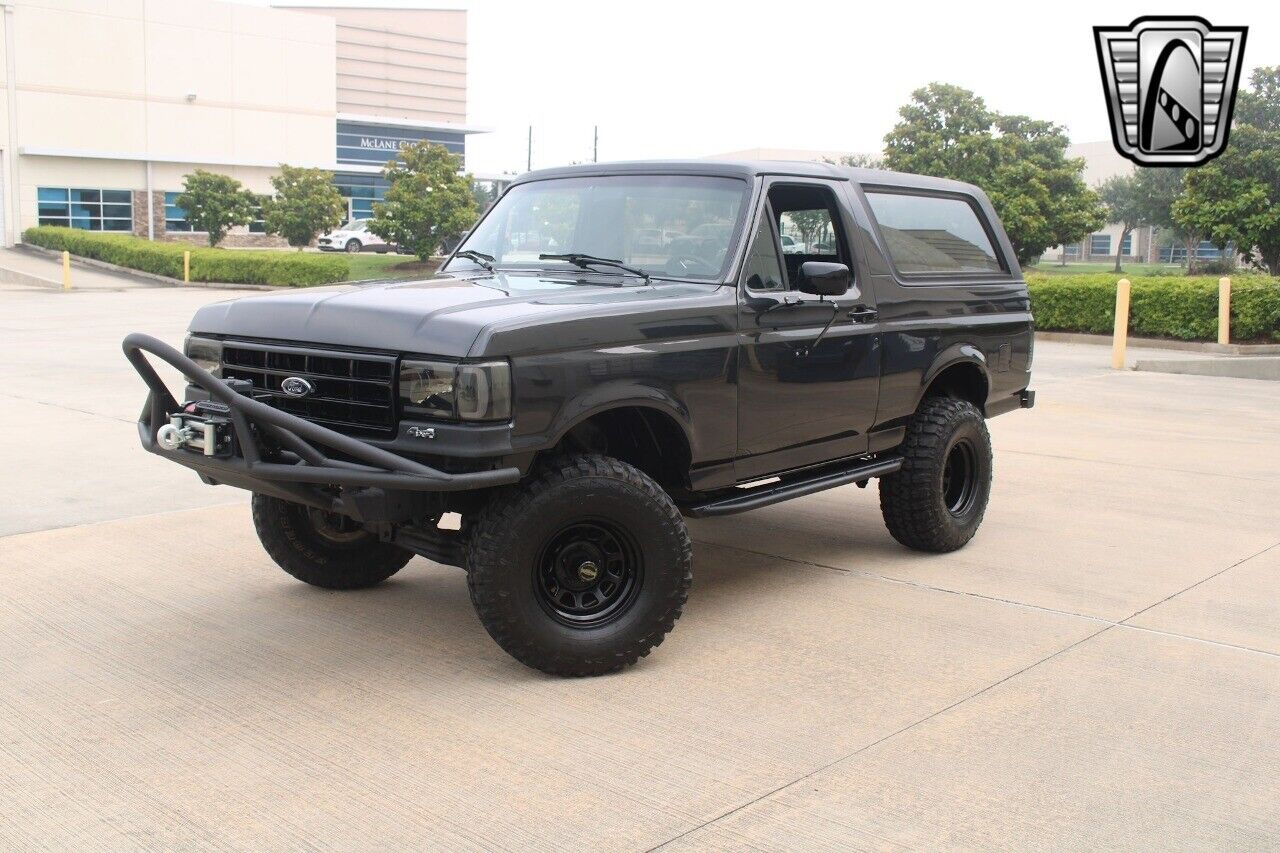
{"x": 445, "y": 315}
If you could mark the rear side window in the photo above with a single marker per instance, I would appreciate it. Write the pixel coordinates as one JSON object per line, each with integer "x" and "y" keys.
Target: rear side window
{"x": 933, "y": 234}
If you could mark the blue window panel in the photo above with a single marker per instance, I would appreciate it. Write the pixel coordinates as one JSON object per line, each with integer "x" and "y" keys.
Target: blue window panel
{"x": 362, "y": 191}
{"x": 1126, "y": 247}
{"x": 171, "y": 209}
{"x": 87, "y": 208}
{"x": 175, "y": 218}
{"x": 1100, "y": 244}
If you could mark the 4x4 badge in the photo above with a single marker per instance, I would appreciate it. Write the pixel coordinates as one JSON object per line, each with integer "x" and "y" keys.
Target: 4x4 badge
{"x": 1171, "y": 86}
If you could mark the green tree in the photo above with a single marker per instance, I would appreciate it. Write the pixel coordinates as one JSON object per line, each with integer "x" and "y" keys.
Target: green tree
{"x": 1124, "y": 205}
{"x": 428, "y": 201}
{"x": 215, "y": 203}
{"x": 306, "y": 204}
{"x": 1236, "y": 198}
{"x": 1019, "y": 162}
{"x": 1158, "y": 190}
{"x": 1259, "y": 106}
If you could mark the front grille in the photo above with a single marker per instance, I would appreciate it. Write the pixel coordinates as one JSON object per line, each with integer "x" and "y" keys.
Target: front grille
{"x": 353, "y": 393}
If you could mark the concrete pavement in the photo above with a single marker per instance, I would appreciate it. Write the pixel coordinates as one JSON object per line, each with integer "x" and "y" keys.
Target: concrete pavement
{"x": 1100, "y": 667}
{"x": 21, "y": 269}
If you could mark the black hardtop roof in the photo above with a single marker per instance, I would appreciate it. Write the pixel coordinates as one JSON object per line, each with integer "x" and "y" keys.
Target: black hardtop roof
{"x": 748, "y": 169}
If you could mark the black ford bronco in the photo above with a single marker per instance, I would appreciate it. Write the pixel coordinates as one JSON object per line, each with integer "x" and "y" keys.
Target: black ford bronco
{"x": 611, "y": 348}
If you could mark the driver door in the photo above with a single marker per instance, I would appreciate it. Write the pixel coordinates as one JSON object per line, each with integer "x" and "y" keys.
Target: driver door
{"x": 808, "y": 367}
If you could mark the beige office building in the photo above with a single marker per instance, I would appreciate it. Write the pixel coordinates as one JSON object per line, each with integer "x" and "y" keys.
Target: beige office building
{"x": 1144, "y": 244}
{"x": 109, "y": 103}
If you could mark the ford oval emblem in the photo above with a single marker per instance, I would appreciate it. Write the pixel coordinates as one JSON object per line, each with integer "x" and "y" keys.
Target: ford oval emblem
{"x": 296, "y": 386}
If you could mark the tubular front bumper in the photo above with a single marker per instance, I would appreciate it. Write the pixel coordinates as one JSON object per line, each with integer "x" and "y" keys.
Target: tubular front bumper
{"x": 294, "y": 463}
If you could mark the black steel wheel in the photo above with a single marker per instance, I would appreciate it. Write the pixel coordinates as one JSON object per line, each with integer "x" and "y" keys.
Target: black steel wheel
{"x": 587, "y": 573}
{"x": 581, "y": 569}
{"x": 960, "y": 477}
{"x": 937, "y": 501}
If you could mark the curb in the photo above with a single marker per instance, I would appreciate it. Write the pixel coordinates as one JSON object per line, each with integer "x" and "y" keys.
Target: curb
{"x": 1247, "y": 367}
{"x": 26, "y": 279}
{"x": 162, "y": 280}
{"x": 1163, "y": 343}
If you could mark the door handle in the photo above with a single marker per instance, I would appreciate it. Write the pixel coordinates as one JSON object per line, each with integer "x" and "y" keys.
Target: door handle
{"x": 862, "y": 313}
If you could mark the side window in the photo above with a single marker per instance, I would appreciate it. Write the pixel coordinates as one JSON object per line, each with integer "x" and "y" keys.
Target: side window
{"x": 763, "y": 270}
{"x": 808, "y": 217}
{"x": 933, "y": 234}
{"x": 809, "y": 232}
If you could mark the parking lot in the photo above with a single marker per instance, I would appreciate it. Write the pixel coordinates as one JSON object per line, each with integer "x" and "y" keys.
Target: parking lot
{"x": 1100, "y": 667}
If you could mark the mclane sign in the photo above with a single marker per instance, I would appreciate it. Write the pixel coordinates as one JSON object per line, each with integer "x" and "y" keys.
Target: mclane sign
{"x": 369, "y": 144}
{"x": 382, "y": 143}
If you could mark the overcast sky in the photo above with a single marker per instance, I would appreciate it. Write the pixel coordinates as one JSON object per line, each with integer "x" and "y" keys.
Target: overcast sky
{"x": 688, "y": 79}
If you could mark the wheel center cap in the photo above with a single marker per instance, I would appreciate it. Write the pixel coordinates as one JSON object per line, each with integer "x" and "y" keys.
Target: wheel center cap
{"x": 588, "y": 571}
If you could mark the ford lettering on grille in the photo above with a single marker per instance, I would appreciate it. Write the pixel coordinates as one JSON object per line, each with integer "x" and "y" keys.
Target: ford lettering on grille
{"x": 296, "y": 386}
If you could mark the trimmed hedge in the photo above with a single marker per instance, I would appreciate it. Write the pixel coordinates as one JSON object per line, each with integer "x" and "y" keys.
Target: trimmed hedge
{"x": 293, "y": 269}
{"x": 1184, "y": 307}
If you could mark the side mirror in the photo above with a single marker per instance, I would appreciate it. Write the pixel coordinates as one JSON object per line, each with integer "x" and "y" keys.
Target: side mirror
{"x": 823, "y": 279}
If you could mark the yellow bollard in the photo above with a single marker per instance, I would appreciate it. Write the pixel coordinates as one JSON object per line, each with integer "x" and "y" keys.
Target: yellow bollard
{"x": 1120, "y": 337}
{"x": 186, "y": 266}
{"x": 66, "y": 270}
{"x": 1224, "y": 310}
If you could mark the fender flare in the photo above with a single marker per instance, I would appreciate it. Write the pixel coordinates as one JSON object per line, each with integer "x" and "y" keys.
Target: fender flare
{"x": 604, "y": 399}
{"x": 963, "y": 353}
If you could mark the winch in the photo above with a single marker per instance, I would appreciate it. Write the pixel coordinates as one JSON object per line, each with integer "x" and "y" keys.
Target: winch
{"x": 203, "y": 426}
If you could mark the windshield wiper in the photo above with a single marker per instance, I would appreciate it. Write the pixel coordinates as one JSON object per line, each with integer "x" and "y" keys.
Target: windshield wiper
{"x": 585, "y": 261}
{"x": 480, "y": 258}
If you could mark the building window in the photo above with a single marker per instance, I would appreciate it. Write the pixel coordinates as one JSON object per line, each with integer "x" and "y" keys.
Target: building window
{"x": 1100, "y": 244}
{"x": 175, "y": 218}
{"x": 257, "y": 225}
{"x": 1072, "y": 250}
{"x": 1206, "y": 251}
{"x": 1126, "y": 247}
{"x": 89, "y": 209}
{"x": 361, "y": 192}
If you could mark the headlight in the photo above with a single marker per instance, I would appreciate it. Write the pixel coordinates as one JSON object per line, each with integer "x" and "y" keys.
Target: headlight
{"x": 484, "y": 391}
{"x": 205, "y": 352}
{"x": 426, "y": 387}
{"x": 471, "y": 392}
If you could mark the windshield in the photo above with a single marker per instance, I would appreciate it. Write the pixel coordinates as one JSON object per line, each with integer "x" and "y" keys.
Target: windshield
{"x": 680, "y": 226}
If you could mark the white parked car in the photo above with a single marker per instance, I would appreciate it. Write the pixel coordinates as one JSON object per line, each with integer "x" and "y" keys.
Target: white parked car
{"x": 791, "y": 245}
{"x": 353, "y": 237}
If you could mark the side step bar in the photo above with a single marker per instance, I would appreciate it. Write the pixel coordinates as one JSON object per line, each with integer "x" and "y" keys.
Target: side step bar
{"x": 796, "y": 487}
